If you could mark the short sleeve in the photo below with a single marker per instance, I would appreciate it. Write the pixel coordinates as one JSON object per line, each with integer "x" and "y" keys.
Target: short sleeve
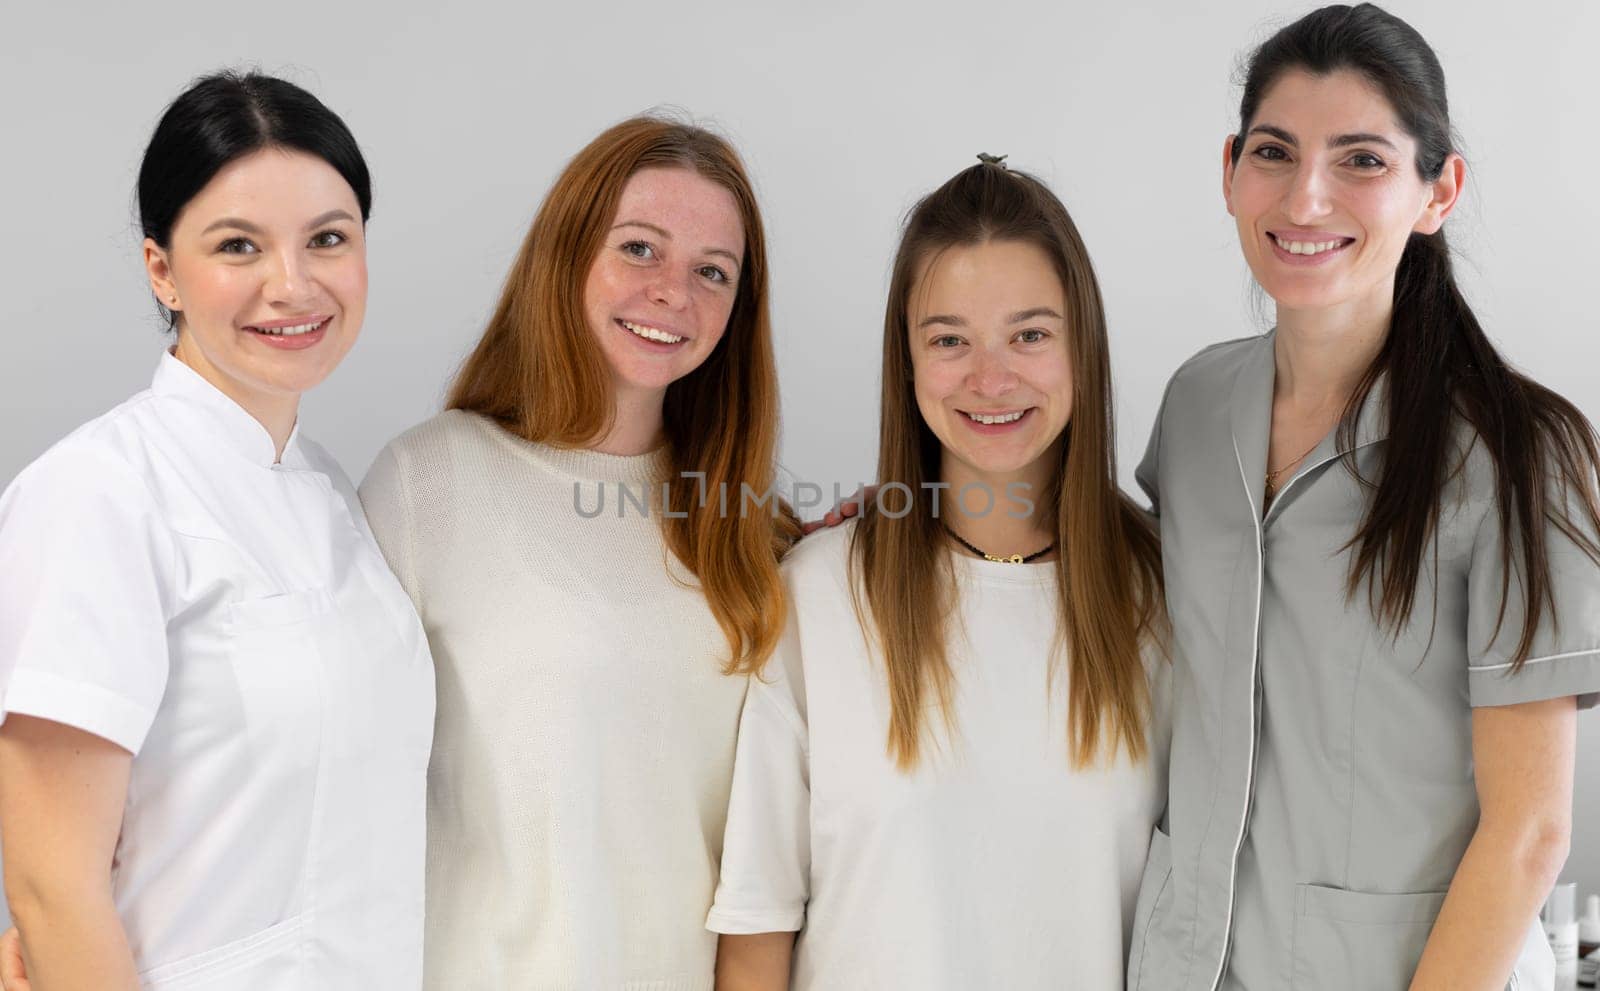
{"x": 766, "y": 848}
{"x": 86, "y": 579}
{"x": 387, "y": 506}
{"x": 1565, "y": 654}
{"x": 1148, "y": 474}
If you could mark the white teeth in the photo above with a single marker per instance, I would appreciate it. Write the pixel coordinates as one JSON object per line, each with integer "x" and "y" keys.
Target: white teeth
{"x": 295, "y": 331}
{"x": 999, "y": 418}
{"x": 650, "y": 333}
{"x": 1307, "y": 247}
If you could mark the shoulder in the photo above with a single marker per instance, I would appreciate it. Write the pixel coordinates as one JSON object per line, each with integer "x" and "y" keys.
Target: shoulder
{"x": 1215, "y": 365}
{"x": 426, "y": 455}
{"x": 821, "y": 559}
{"x": 320, "y": 460}
{"x": 442, "y": 436}
{"x": 114, "y": 454}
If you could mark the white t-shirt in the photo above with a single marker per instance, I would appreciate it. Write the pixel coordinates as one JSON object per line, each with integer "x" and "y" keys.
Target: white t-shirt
{"x": 586, "y": 732}
{"x": 993, "y": 864}
{"x": 230, "y": 622}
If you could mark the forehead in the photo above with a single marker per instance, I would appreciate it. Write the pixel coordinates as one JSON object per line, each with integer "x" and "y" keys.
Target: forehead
{"x": 994, "y": 275}
{"x": 1340, "y": 102}
{"x": 686, "y": 204}
{"x": 273, "y": 185}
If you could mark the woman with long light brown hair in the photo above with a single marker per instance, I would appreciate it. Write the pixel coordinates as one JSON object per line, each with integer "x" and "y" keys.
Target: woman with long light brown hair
{"x": 948, "y": 775}
{"x": 591, "y": 606}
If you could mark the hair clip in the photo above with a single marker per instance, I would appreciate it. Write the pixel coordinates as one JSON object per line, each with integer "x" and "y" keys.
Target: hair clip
{"x": 999, "y": 160}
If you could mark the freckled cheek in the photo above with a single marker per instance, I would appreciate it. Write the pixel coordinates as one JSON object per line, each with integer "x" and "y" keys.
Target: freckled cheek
{"x": 605, "y": 288}
{"x": 711, "y": 318}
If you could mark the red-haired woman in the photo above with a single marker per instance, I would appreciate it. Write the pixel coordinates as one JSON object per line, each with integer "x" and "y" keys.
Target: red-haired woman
{"x": 591, "y": 606}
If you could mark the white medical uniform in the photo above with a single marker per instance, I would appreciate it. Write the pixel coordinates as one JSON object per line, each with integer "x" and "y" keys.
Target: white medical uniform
{"x": 229, "y": 621}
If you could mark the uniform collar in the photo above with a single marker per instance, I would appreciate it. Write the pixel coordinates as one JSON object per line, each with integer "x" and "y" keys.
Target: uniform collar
{"x": 223, "y": 419}
{"x": 1250, "y": 417}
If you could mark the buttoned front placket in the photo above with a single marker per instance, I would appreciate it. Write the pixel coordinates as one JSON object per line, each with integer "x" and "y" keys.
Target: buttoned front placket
{"x": 1250, "y": 416}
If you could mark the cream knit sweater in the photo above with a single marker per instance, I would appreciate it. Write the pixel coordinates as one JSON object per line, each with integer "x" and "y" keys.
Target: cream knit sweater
{"x": 584, "y": 741}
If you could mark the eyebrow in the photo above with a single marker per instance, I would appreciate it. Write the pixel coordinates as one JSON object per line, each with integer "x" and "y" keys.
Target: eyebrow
{"x": 1337, "y": 141}
{"x": 952, "y": 320}
{"x": 666, "y": 235}
{"x": 238, "y": 223}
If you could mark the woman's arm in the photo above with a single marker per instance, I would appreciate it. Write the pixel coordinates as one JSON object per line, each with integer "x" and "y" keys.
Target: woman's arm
{"x": 758, "y": 962}
{"x": 62, "y": 793}
{"x": 1524, "y": 757}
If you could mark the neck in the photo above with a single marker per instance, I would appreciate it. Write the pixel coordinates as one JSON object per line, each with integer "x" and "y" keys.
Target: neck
{"x": 636, "y": 424}
{"x": 1322, "y": 354}
{"x": 275, "y": 412}
{"x": 1005, "y": 529}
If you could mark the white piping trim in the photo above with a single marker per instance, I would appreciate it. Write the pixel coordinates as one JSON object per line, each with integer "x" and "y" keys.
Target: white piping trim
{"x": 1250, "y": 767}
{"x": 1535, "y": 660}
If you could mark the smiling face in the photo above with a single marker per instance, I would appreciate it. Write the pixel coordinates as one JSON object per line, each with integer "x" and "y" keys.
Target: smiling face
{"x": 990, "y": 360}
{"x": 267, "y": 264}
{"x": 660, "y": 291}
{"x": 1326, "y": 192}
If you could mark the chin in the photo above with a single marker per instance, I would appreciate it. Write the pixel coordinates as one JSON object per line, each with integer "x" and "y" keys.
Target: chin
{"x": 1303, "y": 297}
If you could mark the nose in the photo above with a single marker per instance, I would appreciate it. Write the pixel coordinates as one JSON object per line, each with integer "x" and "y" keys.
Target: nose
{"x": 287, "y": 278}
{"x": 670, "y": 287}
{"x": 1306, "y": 200}
{"x": 991, "y": 375}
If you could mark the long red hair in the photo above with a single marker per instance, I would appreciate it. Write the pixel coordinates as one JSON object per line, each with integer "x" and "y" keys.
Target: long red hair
{"x": 538, "y": 372}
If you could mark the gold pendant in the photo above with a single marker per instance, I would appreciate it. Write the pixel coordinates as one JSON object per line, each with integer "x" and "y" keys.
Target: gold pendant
{"x": 1013, "y": 559}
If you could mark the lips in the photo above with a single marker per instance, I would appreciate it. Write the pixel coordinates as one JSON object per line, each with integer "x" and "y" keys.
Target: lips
{"x": 997, "y": 421}
{"x": 648, "y": 332}
{"x": 1309, "y": 248}
{"x": 291, "y": 335}
{"x": 293, "y": 327}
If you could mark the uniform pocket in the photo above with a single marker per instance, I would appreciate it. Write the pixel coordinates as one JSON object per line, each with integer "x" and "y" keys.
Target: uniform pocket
{"x": 265, "y": 961}
{"x": 1155, "y": 895}
{"x": 1359, "y": 940}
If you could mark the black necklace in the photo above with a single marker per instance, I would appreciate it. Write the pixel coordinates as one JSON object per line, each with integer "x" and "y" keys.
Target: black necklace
{"x": 1013, "y": 559}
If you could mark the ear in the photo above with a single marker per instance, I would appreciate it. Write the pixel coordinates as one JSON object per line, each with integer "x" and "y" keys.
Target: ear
{"x": 1227, "y": 172}
{"x": 159, "y": 268}
{"x": 1443, "y": 195}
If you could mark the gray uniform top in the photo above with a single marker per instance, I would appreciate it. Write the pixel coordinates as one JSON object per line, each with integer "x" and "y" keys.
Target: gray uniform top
{"x": 1321, "y": 786}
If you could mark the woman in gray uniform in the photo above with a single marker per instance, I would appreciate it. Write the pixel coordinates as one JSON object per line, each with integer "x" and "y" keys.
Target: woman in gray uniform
{"x": 1382, "y": 567}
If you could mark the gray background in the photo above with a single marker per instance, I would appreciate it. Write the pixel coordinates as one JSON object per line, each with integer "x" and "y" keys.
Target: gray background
{"x": 845, "y": 113}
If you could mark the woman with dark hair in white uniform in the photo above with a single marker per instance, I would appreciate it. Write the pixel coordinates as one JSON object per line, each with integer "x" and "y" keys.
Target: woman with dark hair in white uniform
{"x": 217, "y": 702}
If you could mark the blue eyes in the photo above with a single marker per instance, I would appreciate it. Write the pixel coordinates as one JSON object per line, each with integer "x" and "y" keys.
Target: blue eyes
{"x": 644, "y": 251}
